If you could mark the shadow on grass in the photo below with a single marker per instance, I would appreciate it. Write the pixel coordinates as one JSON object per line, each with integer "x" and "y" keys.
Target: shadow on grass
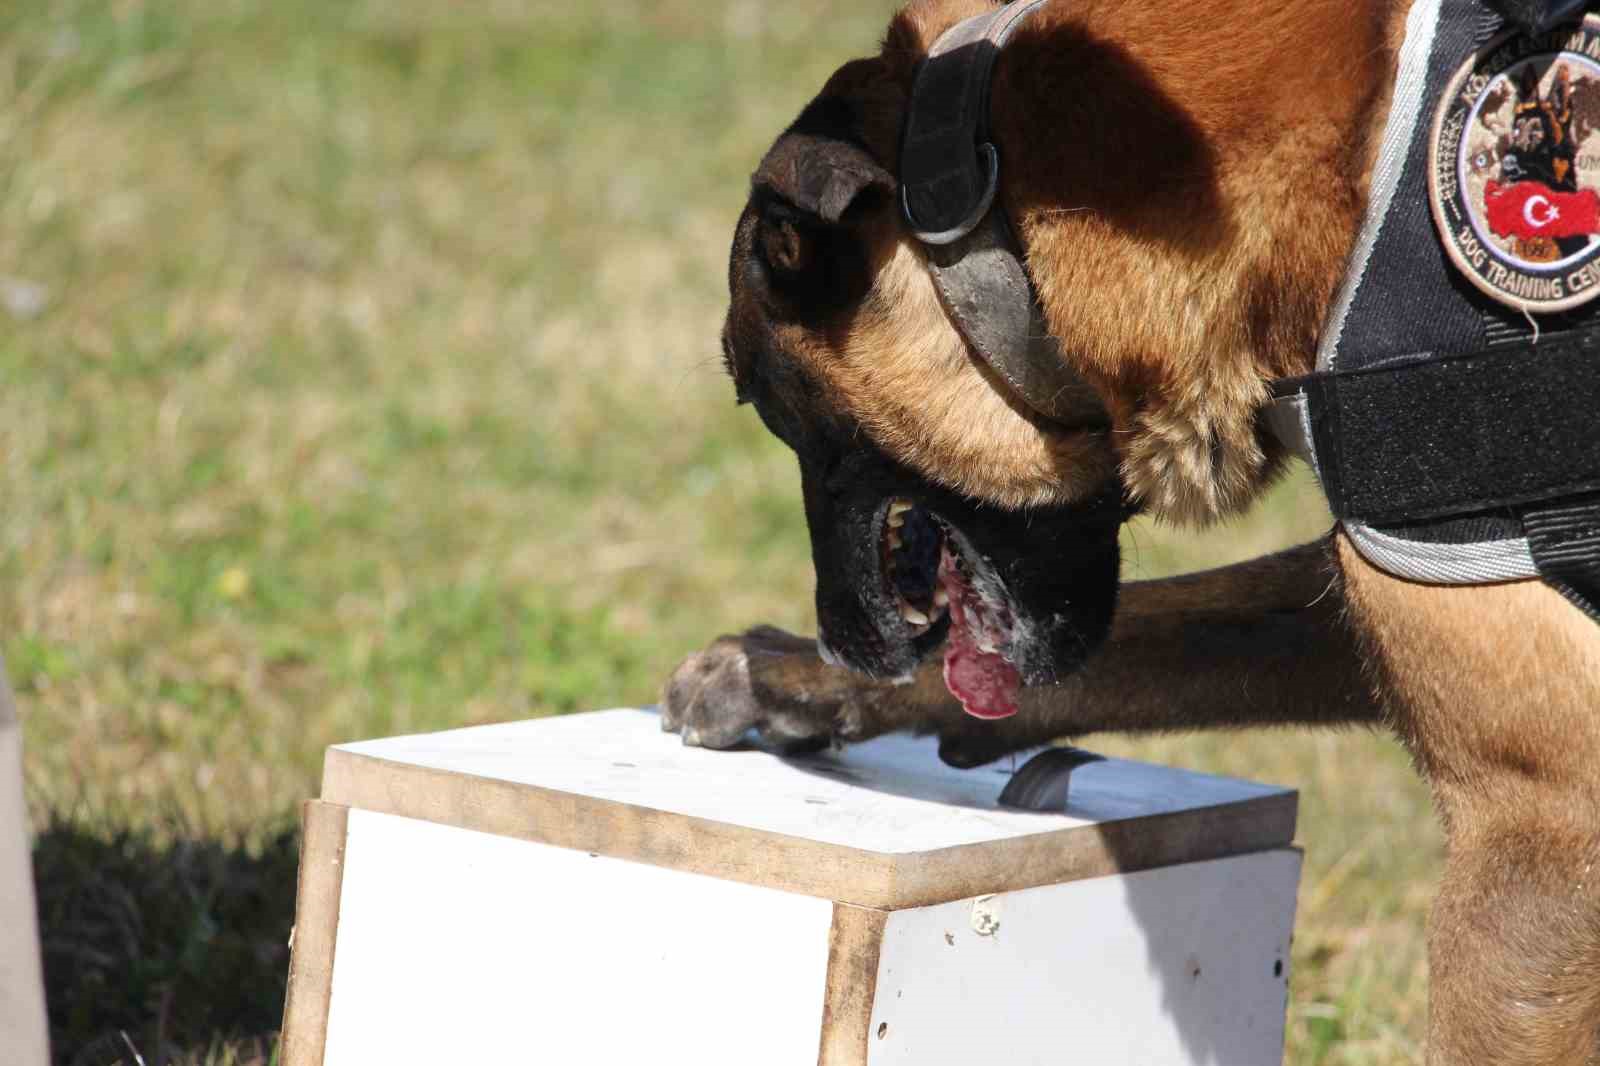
{"x": 167, "y": 949}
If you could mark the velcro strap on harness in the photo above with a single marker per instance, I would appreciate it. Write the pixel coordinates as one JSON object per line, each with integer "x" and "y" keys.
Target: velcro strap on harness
{"x": 1439, "y": 436}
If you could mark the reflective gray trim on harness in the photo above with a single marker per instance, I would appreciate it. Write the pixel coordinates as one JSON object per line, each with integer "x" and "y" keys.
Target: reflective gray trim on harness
{"x": 1410, "y": 86}
{"x": 1478, "y": 563}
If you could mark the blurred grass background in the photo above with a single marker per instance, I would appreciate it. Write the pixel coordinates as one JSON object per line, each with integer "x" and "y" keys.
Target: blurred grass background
{"x": 358, "y": 375}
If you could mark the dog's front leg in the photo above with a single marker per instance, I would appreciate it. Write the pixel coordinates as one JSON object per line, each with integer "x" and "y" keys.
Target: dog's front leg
{"x": 1496, "y": 690}
{"x": 1261, "y": 643}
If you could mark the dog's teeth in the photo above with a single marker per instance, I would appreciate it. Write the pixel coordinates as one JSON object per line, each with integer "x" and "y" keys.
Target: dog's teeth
{"x": 898, "y": 507}
{"x": 912, "y": 615}
{"x": 941, "y": 598}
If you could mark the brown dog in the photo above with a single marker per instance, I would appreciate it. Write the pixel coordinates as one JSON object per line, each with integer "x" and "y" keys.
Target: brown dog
{"x": 1186, "y": 195}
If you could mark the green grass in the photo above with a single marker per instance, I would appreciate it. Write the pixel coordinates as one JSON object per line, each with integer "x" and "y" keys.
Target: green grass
{"x": 374, "y": 388}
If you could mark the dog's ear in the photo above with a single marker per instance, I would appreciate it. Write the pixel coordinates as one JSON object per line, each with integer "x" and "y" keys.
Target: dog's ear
{"x": 821, "y": 176}
{"x": 835, "y": 177}
{"x": 810, "y": 191}
{"x": 784, "y": 243}
{"x": 1528, "y": 85}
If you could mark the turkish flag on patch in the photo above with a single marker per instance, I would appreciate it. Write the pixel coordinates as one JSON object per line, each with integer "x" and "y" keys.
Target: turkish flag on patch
{"x": 1532, "y": 209}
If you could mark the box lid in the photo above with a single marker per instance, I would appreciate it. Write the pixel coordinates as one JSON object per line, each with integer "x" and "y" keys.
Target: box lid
{"x": 879, "y": 824}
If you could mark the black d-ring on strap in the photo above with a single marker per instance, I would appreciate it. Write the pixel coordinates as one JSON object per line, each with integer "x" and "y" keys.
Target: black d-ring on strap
{"x": 949, "y": 168}
{"x": 949, "y": 178}
{"x": 968, "y": 223}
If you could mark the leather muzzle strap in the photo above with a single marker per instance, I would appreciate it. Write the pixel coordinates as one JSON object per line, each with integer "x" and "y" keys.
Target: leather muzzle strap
{"x": 949, "y": 177}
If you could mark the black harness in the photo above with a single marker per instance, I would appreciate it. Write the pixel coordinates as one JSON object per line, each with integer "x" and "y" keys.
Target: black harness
{"x": 1454, "y": 435}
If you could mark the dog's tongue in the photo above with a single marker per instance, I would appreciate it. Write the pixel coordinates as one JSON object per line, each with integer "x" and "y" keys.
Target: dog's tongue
{"x": 984, "y": 681}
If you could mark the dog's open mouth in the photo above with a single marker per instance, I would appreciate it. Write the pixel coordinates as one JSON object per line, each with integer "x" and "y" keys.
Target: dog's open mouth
{"x": 934, "y": 575}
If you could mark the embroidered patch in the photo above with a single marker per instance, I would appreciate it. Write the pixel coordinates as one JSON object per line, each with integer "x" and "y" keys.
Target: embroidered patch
{"x": 1515, "y": 168}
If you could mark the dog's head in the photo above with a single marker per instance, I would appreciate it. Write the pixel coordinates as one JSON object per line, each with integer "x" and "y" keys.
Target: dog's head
{"x": 820, "y": 283}
{"x": 1540, "y": 142}
{"x": 928, "y": 483}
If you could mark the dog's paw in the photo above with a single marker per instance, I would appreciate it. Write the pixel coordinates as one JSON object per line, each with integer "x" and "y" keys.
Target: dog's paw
{"x": 766, "y": 680}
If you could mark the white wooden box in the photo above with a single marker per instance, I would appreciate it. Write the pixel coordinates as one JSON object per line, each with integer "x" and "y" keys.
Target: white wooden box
{"x": 587, "y": 890}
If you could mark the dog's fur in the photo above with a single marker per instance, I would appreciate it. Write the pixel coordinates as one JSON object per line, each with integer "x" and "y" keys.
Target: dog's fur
{"x": 1187, "y": 190}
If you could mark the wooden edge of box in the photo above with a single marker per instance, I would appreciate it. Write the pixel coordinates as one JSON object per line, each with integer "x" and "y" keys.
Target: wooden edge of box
{"x": 793, "y": 864}
{"x": 1120, "y": 847}
{"x": 855, "y": 942}
{"x": 606, "y": 827}
{"x": 316, "y": 928}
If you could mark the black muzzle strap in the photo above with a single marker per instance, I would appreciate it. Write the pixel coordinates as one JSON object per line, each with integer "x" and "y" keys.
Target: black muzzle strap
{"x": 949, "y": 166}
{"x": 949, "y": 184}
